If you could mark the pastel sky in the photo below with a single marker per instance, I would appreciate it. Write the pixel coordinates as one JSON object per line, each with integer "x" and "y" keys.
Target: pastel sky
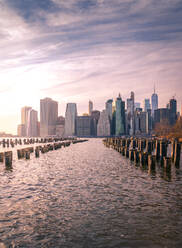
{"x": 76, "y": 50}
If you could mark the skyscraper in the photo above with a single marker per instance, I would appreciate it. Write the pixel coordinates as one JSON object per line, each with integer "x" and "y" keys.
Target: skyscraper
{"x": 109, "y": 108}
{"x": 90, "y": 107}
{"x": 120, "y": 116}
{"x": 24, "y": 118}
{"x": 32, "y": 126}
{"x": 94, "y": 121}
{"x": 146, "y": 104}
{"x": 103, "y": 127}
{"x": 83, "y": 126}
{"x": 130, "y": 115}
{"x": 70, "y": 119}
{"x": 109, "y": 111}
{"x": 48, "y": 116}
{"x": 173, "y": 111}
{"x": 154, "y": 100}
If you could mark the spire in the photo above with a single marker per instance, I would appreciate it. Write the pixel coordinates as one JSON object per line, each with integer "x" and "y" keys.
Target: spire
{"x": 154, "y": 88}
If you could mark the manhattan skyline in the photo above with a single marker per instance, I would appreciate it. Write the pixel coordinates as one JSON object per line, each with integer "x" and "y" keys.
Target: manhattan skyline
{"x": 74, "y": 51}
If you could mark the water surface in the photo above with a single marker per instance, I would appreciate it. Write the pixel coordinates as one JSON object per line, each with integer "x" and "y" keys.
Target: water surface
{"x": 87, "y": 195}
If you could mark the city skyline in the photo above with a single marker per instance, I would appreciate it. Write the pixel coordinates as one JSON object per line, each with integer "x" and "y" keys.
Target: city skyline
{"x": 73, "y": 51}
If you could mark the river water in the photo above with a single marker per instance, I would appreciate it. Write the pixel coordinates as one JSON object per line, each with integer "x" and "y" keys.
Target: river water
{"x": 87, "y": 195}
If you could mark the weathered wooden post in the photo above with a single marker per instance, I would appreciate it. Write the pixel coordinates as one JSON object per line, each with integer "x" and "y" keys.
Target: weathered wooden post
{"x": 143, "y": 158}
{"x": 8, "y": 159}
{"x": 131, "y": 155}
{"x": 136, "y": 156}
{"x": 1, "y": 157}
{"x": 19, "y": 154}
{"x": 177, "y": 154}
{"x": 157, "y": 150}
{"x": 151, "y": 162}
{"x": 163, "y": 151}
{"x": 167, "y": 164}
{"x": 149, "y": 146}
{"x": 27, "y": 154}
{"x": 172, "y": 149}
{"x": 126, "y": 152}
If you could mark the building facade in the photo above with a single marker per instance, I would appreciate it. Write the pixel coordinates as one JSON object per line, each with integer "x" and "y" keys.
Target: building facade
{"x": 130, "y": 120}
{"x": 162, "y": 115}
{"x": 103, "y": 127}
{"x": 154, "y": 100}
{"x": 83, "y": 126}
{"x": 146, "y": 105}
{"x": 120, "y": 117}
{"x": 90, "y": 107}
{"x": 21, "y": 130}
{"x": 95, "y": 115}
{"x": 173, "y": 111}
{"x": 32, "y": 126}
{"x": 24, "y": 118}
{"x": 70, "y": 119}
{"x": 48, "y": 117}
{"x": 60, "y": 125}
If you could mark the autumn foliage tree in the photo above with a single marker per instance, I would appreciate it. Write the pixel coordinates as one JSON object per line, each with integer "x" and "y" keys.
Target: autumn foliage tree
{"x": 163, "y": 129}
{"x": 176, "y": 131}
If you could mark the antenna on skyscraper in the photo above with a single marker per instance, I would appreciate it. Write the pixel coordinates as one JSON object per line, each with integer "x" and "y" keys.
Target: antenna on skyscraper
{"x": 154, "y": 88}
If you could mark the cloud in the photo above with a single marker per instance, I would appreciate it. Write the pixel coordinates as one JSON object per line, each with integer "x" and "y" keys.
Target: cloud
{"x": 77, "y": 50}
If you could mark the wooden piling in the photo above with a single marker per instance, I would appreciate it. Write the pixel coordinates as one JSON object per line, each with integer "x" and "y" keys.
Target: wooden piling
{"x": 8, "y": 156}
{"x": 167, "y": 164}
{"x": 131, "y": 155}
{"x": 1, "y": 157}
{"x": 151, "y": 162}
{"x": 177, "y": 154}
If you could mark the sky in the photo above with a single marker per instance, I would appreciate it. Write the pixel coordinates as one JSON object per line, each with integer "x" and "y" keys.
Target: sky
{"x": 77, "y": 50}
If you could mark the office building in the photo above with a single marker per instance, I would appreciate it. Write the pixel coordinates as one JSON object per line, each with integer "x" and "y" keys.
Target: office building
{"x": 120, "y": 116}
{"x": 146, "y": 105}
{"x": 32, "y": 125}
{"x": 162, "y": 115}
{"x": 70, "y": 119}
{"x": 130, "y": 120}
{"x": 95, "y": 115}
{"x": 90, "y": 107}
{"x": 173, "y": 111}
{"x": 48, "y": 117}
{"x": 154, "y": 100}
{"x": 109, "y": 109}
{"x": 103, "y": 127}
{"x": 144, "y": 127}
{"x": 60, "y": 125}
{"x": 24, "y": 118}
{"x": 83, "y": 126}
{"x": 21, "y": 130}
{"x": 137, "y": 105}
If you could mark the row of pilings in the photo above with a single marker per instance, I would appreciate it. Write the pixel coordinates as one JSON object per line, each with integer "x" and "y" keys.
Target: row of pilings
{"x": 24, "y": 153}
{"x": 6, "y": 143}
{"x": 146, "y": 151}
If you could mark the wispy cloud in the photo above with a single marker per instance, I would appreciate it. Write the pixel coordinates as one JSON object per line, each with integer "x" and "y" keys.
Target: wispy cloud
{"x": 77, "y": 50}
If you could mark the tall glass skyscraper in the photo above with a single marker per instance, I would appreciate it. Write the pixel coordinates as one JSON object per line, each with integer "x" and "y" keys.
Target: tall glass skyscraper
{"x": 32, "y": 127}
{"x": 90, "y": 107}
{"x": 154, "y": 100}
{"x": 70, "y": 119}
{"x": 48, "y": 117}
{"x": 120, "y": 116}
{"x": 109, "y": 108}
{"x": 130, "y": 126}
{"x": 147, "y": 105}
{"x": 24, "y": 118}
{"x": 173, "y": 111}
